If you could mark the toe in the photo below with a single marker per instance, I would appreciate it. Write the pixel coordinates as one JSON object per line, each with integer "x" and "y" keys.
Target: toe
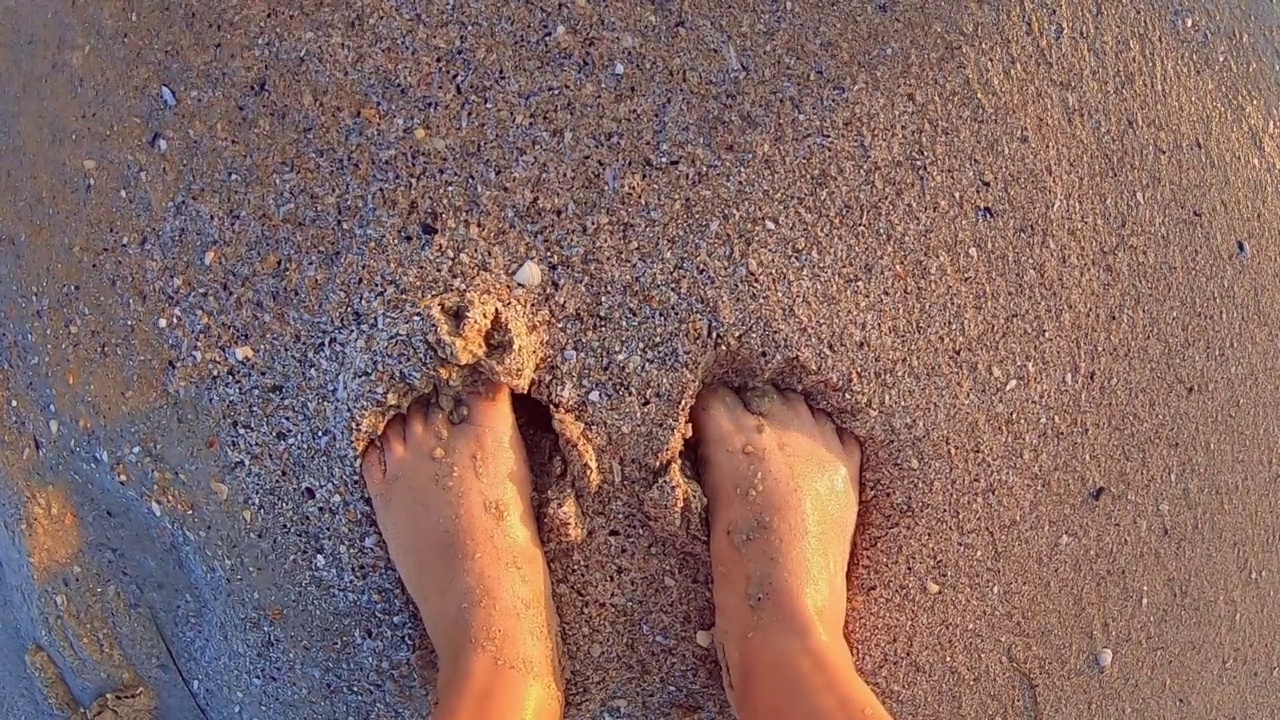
{"x": 717, "y": 413}
{"x": 490, "y": 407}
{"x": 393, "y": 440}
{"x": 422, "y": 414}
{"x": 796, "y": 406}
{"x": 373, "y": 465}
{"x": 827, "y": 427}
{"x": 852, "y": 451}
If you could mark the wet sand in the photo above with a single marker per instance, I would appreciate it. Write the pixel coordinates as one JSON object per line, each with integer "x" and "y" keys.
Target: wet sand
{"x": 1025, "y": 250}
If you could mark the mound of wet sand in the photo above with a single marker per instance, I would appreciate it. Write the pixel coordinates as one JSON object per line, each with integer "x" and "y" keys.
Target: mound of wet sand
{"x": 1024, "y": 250}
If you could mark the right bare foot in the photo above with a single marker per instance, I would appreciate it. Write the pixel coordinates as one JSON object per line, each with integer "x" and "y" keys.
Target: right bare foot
{"x": 781, "y": 482}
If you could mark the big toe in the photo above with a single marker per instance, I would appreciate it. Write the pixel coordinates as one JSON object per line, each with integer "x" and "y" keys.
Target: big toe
{"x": 490, "y": 407}
{"x": 373, "y": 465}
{"x": 727, "y": 436}
{"x": 718, "y": 414}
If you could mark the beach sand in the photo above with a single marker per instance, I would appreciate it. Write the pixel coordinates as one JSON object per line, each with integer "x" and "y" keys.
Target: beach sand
{"x": 1023, "y": 249}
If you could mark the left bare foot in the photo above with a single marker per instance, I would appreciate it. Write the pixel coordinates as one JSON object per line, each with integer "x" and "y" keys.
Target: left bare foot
{"x": 454, "y": 503}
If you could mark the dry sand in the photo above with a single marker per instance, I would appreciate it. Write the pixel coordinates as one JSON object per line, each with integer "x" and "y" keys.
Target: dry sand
{"x": 1027, "y": 250}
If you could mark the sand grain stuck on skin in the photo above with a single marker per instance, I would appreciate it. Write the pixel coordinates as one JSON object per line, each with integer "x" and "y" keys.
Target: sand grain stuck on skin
{"x": 1027, "y": 251}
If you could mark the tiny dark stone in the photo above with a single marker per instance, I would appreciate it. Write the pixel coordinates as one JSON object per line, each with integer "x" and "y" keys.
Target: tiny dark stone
{"x": 1098, "y": 492}
{"x": 1242, "y": 249}
{"x": 884, "y": 7}
{"x": 1056, "y": 31}
{"x": 308, "y": 492}
{"x": 459, "y": 414}
{"x": 986, "y": 213}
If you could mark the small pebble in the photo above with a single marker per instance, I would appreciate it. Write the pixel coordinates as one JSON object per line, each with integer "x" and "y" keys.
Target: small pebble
{"x": 570, "y": 355}
{"x": 1104, "y": 658}
{"x": 220, "y": 489}
{"x": 1012, "y": 384}
{"x": 170, "y": 100}
{"x": 459, "y": 414}
{"x": 247, "y": 515}
{"x": 618, "y": 69}
{"x": 594, "y": 396}
{"x": 704, "y": 638}
{"x": 53, "y": 426}
{"x": 759, "y": 400}
{"x": 155, "y": 508}
{"x": 162, "y": 145}
{"x": 770, "y": 226}
{"x": 932, "y": 587}
{"x": 162, "y": 323}
{"x": 243, "y": 353}
{"x": 529, "y": 275}
{"x": 420, "y": 134}
{"x": 90, "y": 164}
{"x": 208, "y": 258}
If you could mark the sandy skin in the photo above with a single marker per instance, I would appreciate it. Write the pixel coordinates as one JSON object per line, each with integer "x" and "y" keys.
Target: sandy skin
{"x": 454, "y": 503}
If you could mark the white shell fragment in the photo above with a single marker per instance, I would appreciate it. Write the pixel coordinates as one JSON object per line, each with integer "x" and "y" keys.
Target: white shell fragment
{"x": 170, "y": 100}
{"x": 529, "y": 275}
{"x": 704, "y": 638}
{"x": 1104, "y": 658}
{"x": 243, "y": 353}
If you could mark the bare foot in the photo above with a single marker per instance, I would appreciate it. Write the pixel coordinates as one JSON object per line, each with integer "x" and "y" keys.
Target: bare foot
{"x": 454, "y": 505}
{"x": 782, "y": 493}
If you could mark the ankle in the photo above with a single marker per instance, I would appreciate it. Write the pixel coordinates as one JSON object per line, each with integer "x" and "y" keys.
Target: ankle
{"x": 482, "y": 686}
{"x": 791, "y": 672}
{"x": 787, "y": 638}
{"x": 785, "y": 616}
